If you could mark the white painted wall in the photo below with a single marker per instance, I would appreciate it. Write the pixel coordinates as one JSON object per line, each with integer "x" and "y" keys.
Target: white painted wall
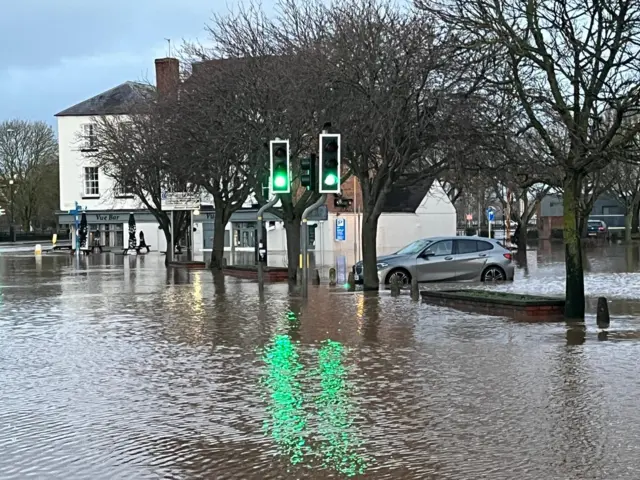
{"x": 72, "y": 162}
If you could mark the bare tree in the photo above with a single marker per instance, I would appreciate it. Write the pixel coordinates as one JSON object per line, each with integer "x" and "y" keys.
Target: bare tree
{"x": 573, "y": 66}
{"x": 28, "y": 156}
{"x": 397, "y": 99}
{"x": 212, "y": 130}
{"x": 272, "y": 98}
{"x": 135, "y": 150}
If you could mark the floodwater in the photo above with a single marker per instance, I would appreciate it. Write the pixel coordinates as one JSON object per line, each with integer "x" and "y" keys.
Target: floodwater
{"x": 114, "y": 368}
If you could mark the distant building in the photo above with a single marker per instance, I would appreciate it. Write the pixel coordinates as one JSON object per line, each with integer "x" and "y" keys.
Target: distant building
{"x": 606, "y": 208}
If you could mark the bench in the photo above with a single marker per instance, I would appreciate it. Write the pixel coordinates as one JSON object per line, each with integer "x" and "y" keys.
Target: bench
{"x": 137, "y": 249}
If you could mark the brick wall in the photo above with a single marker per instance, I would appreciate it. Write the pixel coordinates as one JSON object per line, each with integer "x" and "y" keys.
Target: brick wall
{"x": 348, "y": 191}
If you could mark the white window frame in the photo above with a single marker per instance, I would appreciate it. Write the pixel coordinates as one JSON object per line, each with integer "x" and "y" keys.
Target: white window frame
{"x": 89, "y": 190}
{"x": 120, "y": 191}
{"x": 89, "y": 137}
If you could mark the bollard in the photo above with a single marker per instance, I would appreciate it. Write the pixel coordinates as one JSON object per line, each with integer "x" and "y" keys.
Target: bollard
{"x": 415, "y": 289}
{"x": 38, "y": 249}
{"x": 602, "y": 317}
{"x": 351, "y": 281}
{"x": 332, "y": 277}
{"x": 316, "y": 277}
{"x": 395, "y": 287}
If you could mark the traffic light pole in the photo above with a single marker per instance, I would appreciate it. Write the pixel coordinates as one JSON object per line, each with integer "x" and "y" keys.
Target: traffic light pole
{"x": 263, "y": 209}
{"x": 304, "y": 235}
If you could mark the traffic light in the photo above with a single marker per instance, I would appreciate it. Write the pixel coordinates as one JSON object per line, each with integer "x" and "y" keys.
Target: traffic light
{"x": 329, "y": 163}
{"x": 308, "y": 172}
{"x": 279, "y": 179}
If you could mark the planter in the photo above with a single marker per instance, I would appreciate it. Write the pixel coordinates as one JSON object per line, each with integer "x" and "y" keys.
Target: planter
{"x": 189, "y": 265}
{"x": 250, "y": 272}
{"x": 522, "y": 307}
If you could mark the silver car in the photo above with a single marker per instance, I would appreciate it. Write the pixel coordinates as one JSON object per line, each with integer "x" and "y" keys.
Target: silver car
{"x": 445, "y": 259}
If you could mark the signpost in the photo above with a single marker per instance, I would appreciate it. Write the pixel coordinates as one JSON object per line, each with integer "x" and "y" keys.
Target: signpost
{"x": 180, "y": 201}
{"x": 75, "y": 212}
{"x": 341, "y": 230}
{"x": 490, "y": 215}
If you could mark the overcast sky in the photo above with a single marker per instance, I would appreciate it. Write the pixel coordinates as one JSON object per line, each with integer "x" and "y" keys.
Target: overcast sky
{"x": 56, "y": 53}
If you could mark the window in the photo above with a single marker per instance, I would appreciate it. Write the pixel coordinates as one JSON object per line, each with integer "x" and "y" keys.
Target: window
{"x": 466, "y": 246}
{"x": 484, "y": 246}
{"x": 89, "y": 138}
{"x": 122, "y": 189}
{"x": 244, "y": 234}
{"x": 442, "y": 248}
{"x": 414, "y": 248}
{"x": 91, "y": 182}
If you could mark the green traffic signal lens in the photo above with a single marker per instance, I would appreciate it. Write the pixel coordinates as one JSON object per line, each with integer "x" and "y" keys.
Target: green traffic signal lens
{"x": 331, "y": 180}
{"x": 280, "y": 181}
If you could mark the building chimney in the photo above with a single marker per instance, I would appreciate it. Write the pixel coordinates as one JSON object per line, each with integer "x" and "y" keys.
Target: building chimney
{"x": 167, "y": 76}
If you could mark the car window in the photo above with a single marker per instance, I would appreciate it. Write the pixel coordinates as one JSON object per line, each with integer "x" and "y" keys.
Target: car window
{"x": 484, "y": 246}
{"x": 414, "y": 248}
{"x": 466, "y": 246}
{"x": 594, "y": 223}
{"x": 444, "y": 247}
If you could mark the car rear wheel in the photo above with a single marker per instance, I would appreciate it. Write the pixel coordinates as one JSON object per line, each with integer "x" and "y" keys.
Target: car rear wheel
{"x": 399, "y": 274}
{"x": 493, "y": 274}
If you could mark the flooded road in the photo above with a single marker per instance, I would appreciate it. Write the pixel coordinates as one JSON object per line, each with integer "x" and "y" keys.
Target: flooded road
{"x": 113, "y": 368}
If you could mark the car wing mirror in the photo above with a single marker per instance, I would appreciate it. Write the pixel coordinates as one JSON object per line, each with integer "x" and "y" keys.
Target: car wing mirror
{"x": 427, "y": 254}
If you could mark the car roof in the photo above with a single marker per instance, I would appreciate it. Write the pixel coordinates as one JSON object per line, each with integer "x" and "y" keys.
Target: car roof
{"x": 461, "y": 237}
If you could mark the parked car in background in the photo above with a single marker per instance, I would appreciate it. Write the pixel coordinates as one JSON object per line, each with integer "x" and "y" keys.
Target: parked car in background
{"x": 445, "y": 259}
{"x": 597, "y": 228}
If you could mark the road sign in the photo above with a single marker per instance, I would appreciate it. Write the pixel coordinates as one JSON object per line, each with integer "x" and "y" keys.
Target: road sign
{"x": 490, "y": 214}
{"x": 341, "y": 230}
{"x": 172, "y": 201}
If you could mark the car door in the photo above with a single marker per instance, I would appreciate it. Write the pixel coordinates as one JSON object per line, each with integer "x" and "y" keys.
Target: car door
{"x": 435, "y": 264}
{"x": 470, "y": 258}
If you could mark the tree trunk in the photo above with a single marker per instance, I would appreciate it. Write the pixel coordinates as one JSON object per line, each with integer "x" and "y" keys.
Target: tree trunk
{"x": 369, "y": 251}
{"x": 522, "y": 237}
{"x": 628, "y": 224}
{"x": 217, "y": 253}
{"x": 166, "y": 229}
{"x": 635, "y": 224}
{"x": 293, "y": 247}
{"x": 574, "y": 290}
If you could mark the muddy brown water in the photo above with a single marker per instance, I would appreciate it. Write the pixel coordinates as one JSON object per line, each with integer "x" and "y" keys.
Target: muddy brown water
{"x": 112, "y": 367}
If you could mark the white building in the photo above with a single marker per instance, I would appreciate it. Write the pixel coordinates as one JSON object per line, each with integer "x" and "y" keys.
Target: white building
{"x": 408, "y": 214}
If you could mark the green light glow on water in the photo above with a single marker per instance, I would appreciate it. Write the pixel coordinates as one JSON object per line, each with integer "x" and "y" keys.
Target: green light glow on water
{"x": 287, "y": 418}
{"x": 339, "y": 445}
{"x": 336, "y": 443}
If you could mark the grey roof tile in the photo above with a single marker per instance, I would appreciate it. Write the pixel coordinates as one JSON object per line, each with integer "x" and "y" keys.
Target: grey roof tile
{"x": 116, "y": 101}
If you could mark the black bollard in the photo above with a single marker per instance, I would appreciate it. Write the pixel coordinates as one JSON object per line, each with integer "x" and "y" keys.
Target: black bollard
{"x": 351, "y": 282}
{"x": 316, "y": 277}
{"x": 415, "y": 289}
{"x": 602, "y": 317}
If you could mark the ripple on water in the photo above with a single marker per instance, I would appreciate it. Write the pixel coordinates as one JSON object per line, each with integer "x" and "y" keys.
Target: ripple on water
{"x": 126, "y": 371}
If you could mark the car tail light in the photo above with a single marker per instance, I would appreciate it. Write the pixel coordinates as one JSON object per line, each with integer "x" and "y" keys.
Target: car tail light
{"x": 601, "y": 229}
{"x": 507, "y": 256}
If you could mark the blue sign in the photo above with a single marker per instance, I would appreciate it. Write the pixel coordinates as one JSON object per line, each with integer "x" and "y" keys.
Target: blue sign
{"x": 490, "y": 214}
{"x": 341, "y": 229}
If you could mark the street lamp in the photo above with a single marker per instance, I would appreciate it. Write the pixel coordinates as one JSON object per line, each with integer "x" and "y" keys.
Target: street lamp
{"x": 12, "y": 228}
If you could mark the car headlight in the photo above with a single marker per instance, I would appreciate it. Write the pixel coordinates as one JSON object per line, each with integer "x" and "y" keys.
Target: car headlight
{"x": 382, "y": 265}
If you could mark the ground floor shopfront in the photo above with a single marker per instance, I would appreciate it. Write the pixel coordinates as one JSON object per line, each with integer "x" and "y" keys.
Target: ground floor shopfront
{"x": 111, "y": 227}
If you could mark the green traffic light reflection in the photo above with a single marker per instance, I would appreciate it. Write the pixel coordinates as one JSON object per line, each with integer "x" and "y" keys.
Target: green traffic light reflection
{"x": 310, "y": 414}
